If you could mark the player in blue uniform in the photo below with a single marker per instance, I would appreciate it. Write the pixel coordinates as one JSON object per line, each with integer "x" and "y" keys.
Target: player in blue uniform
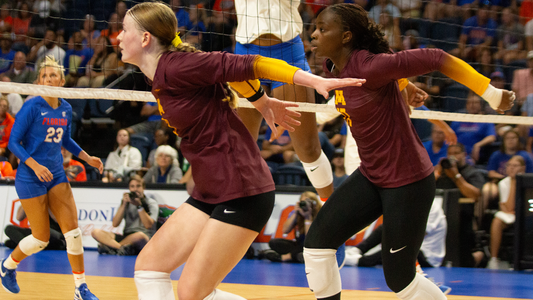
{"x": 41, "y": 128}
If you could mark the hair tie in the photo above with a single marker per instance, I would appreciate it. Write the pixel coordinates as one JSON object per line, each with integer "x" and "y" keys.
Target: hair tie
{"x": 177, "y": 40}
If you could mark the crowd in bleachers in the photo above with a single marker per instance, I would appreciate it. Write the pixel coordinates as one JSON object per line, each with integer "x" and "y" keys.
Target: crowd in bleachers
{"x": 495, "y": 37}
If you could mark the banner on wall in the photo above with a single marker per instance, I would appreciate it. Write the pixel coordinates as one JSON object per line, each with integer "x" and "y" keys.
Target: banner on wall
{"x": 97, "y": 206}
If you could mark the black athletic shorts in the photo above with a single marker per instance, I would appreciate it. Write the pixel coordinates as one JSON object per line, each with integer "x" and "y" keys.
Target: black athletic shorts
{"x": 250, "y": 212}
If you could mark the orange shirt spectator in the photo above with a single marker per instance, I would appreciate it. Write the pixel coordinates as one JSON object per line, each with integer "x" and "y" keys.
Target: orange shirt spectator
{"x": 6, "y": 123}
{"x": 5, "y": 169}
{"x": 74, "y": 170}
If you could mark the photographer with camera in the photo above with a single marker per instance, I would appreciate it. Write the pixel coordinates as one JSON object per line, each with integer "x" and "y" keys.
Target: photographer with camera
{"x": 140, "y": 214}
{"x": 300, "y": 219}
{"x": 453, "y": 172}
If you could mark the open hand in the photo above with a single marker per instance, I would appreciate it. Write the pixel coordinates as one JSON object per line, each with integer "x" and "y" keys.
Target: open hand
{"x": 325, "y": 85}
{"x": 275, "y": 112}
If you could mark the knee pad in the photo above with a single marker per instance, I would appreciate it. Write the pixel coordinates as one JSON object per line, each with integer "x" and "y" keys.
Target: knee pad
{"x": 30, "y": 245}
{"x": 222, "y": 295}
{"x": 154, "y": 285}
{"x": 322, "y": 272}
{"x": 74, "y": 243}
{"x": 319, "y": 172}
{"x": 421, "y": 288}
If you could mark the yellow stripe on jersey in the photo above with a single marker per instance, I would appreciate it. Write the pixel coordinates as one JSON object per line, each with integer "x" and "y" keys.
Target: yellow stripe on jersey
{"x": 274, "y": 69}
{"x": 246, "y": 88}
{"x": 402, "y": 83}
{"x": 462, "y": 72}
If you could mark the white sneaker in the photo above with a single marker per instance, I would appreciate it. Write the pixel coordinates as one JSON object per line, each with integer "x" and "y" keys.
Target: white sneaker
{"x": 494, "y": 263}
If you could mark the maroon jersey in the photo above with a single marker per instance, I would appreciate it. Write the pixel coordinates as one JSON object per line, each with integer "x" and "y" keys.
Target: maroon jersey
{"x": 391, "y": 153}
{"x": 226, "y": 163}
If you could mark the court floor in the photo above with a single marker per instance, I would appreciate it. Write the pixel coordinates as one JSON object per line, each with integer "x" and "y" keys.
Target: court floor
{"x": 46, "y": 275}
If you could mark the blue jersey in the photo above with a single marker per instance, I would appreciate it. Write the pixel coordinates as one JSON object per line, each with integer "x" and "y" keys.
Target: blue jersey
{"x": 39, "y": 132}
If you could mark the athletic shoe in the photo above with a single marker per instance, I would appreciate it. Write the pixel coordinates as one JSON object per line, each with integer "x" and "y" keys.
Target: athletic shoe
{"x": 494, "y": 264}
{"x": 341, "y": 256}
{"x": 126, "y": 250}
{"x": 272, "y": 255}
{"x": 9, "y": 279}
{"x": 104, "y": 249}
{"x": 83, "y": 293}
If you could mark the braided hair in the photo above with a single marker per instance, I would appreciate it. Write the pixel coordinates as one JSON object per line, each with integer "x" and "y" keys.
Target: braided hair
{"x": 367, "y": 35}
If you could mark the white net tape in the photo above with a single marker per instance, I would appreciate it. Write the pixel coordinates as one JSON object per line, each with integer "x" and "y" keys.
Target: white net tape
{"x": 127, "y": 95}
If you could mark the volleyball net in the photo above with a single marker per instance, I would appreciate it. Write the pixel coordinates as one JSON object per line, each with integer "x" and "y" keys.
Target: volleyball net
{"x": 209, "y": 25}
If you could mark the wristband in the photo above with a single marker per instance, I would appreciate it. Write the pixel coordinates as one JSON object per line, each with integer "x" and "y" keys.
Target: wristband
{"x": 493, "y": 96}
{"x": 308, "y": 222}
{"x": 458, "y": 175}
{"x": 257, "y": 95}
{"x": 139, "y": 207}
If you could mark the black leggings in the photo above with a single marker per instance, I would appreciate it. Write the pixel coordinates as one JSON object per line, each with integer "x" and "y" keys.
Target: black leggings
{"x": 358, "y": 202}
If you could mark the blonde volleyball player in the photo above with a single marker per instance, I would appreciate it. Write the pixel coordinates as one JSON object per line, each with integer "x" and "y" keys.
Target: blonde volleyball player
{"x": 41, "y": 128}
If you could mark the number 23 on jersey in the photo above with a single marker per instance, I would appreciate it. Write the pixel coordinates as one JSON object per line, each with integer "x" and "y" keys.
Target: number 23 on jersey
{"x": 54, "y": 135}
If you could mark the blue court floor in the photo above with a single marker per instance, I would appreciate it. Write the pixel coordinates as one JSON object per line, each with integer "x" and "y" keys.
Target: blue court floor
{"x": 464, "y": 281}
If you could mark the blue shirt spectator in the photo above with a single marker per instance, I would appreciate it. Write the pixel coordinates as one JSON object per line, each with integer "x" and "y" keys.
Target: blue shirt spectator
{"x": 153, "y": 117}
{"x": 477, "y": 33}
{"x": 469, "y": 134}
{"x": 498, "y": 161}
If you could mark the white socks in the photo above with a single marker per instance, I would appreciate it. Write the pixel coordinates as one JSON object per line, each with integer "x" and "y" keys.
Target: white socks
{"x": 222, "y": 295}
{"x": 153, "y": 285}
{"x": 79, "y": 278}
{"x": 421, "y": 288}
{"x": 10, "y": 263}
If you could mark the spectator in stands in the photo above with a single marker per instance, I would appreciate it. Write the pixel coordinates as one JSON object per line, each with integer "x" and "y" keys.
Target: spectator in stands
{"x": 181, "y": 14}
{"x": 20, "y": 72}
{"x": 483, "y": 62}
{"x": 166, "y": 168}
{"x": 6, "y": 21}
{"x": 478, "y": 32}
{"x": 196, "y": 26}
{"x": 21, "y": 24}
{"x": 6, "y": 170}
{"x": 153, "y": 123}
{"x": 140, "y": 214}
{"x": 510, "y": 39}
{"x": 339, "y": 171}
{"x": 474, "y": 135}
{"x": 335, "y": 132}
{"x": 528, "y": 31}
{"x": 15, "y": 100}
{"x": 113, "y": 29}
{"x": 527, "y": 107}
{"x": 436, "y": 147}
{"x": 162, "y": 136}
{"x": 510, "y": 147}
{"x": 218, "y": 30}
{"x": 523, "y": 80}
{"x": 124, "y": 159}
{"x": 280, "y": 150}
{"x": 121, "y": 10}
{"x": 74, "y": 169}
{"x": 299, "y": 220}
{"x": 102, "y": 65}
{"x": 506, "y": 215}
{"x": 7, "y": 55}
{"x": 390, "y": 29}
{"x": 6, "y": 123}
{"x": 89, "y": 33}
{"x": 454, "y": 173}
{"x": 43, "y": 19}
{"x": 530, "y": 141}
{"x": 16, "y": 233}
{"x": 76, "y": 60}
{"x": 431, "y": 253}
{"x": 47, "y": 47}
{"x": 382, "y": 6}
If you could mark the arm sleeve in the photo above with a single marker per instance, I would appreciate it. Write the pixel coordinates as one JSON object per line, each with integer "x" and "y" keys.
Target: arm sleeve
{"x": 274, "y": 69}
{"x": 23, "y": 123}
{"x": 246, "y": 88}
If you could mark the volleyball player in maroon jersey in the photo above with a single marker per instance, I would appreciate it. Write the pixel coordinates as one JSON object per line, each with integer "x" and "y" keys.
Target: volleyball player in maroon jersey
{"x": 395, "y": 178}
{"x": 234, "y": 192}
